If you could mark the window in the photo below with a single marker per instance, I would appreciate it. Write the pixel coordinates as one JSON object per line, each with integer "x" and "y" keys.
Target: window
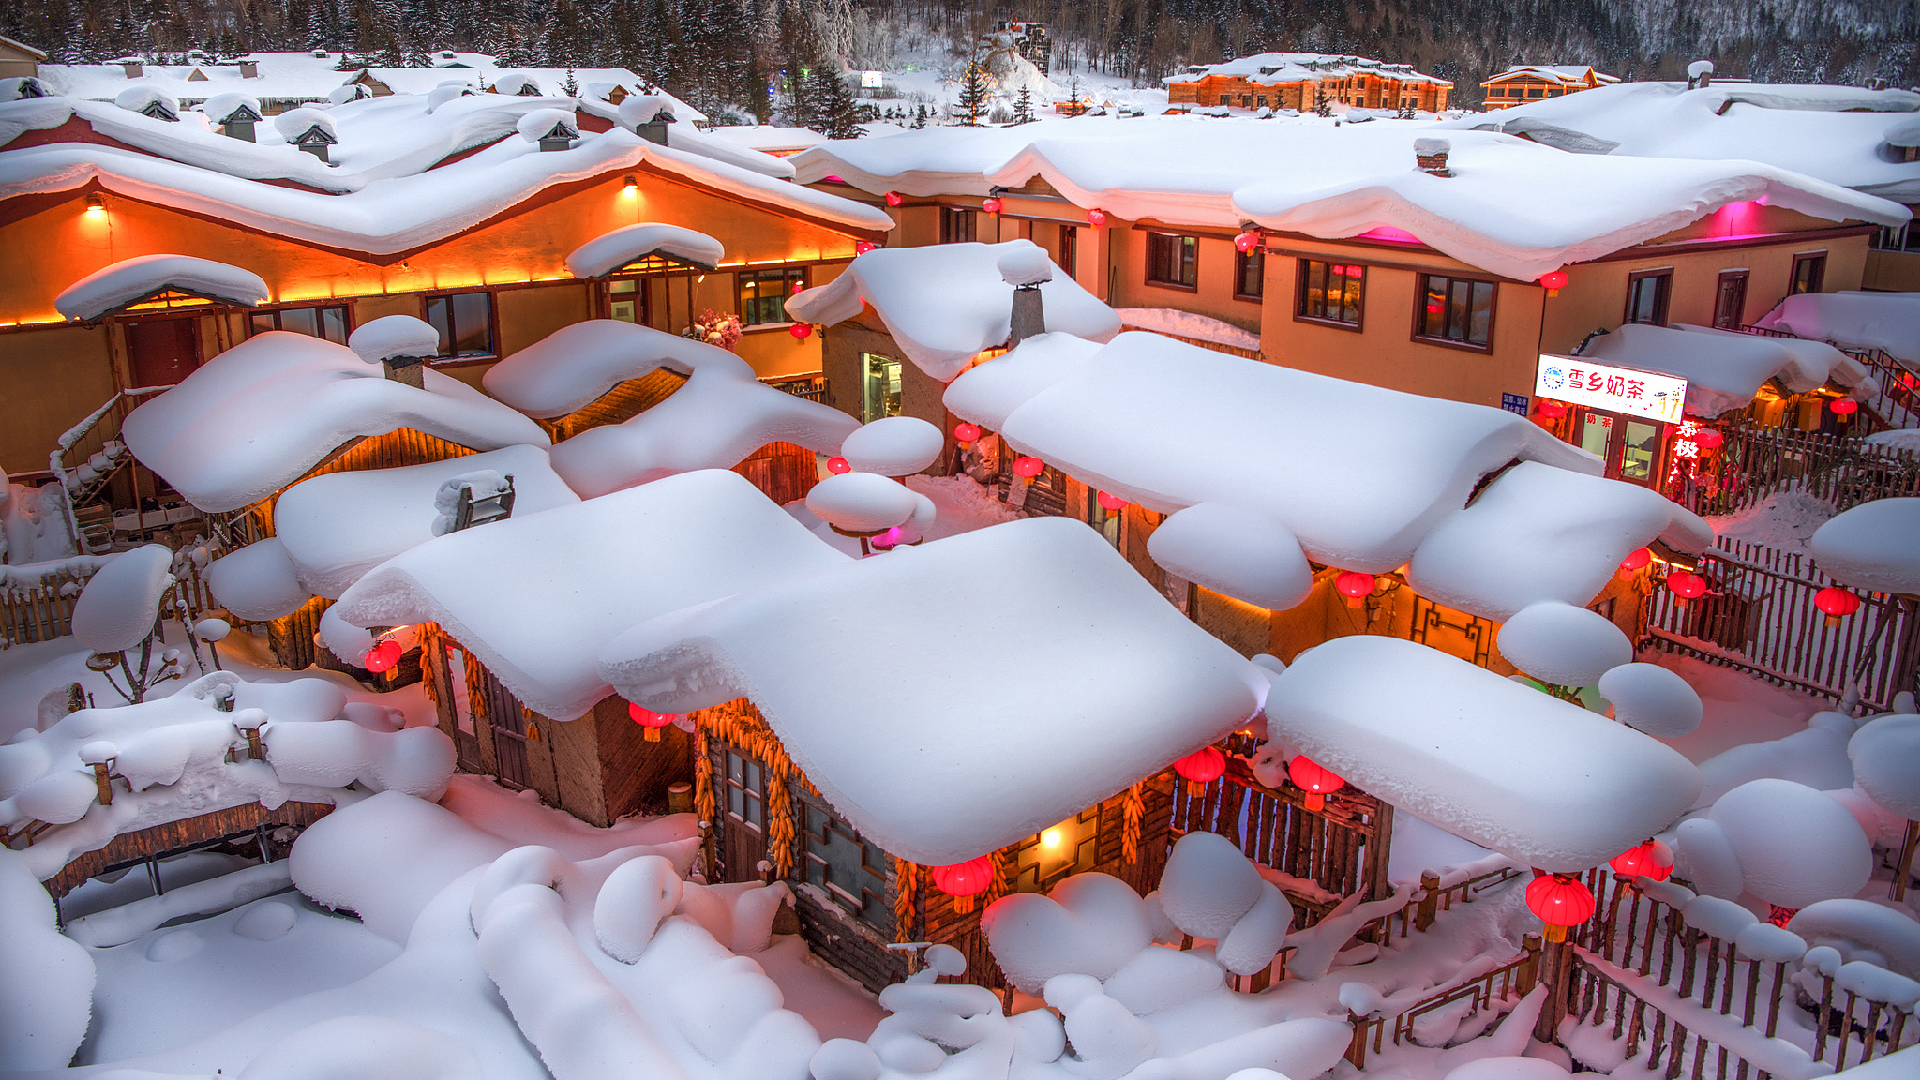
{"x": 1226, "y": 99}
{"x": 956, "y": 225}
{"x": 1456, "y": 310}
{"x": 746, "y": 792}
{"x": 1106, "y": 522}
{"x": 627, "y": 301}
{"x": 1809, "y": 272}
{"x": 1647, "y": 294}
{"x": 880, "y": 387}
{"x": 320, "y": 322}
{"x": 1331, "y": 292}
{"x": 465, "y": 322}
{"x": 1261, "y": 100}
{"x": 763, "y": 293}
{"x": 1730, "y": 303}
{"x": 1068, "y": 258}
{"x": 1171, "y": 260}
{"x": 848, "y": 867}
{"x": 1249, "y": 274}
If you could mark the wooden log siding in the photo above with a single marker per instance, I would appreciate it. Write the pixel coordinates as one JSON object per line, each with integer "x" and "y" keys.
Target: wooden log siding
{"x": 395, "y": 449}
{"x": 785, "y": 472}
{"x": 232, "y": 823}
{"x": 291, "y": 636}
{"x": 624, "y": 402}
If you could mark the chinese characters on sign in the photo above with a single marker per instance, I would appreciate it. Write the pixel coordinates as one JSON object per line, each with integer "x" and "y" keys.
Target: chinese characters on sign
{"x": 1514, "y": 403}
{"x": 1621, "y": 390}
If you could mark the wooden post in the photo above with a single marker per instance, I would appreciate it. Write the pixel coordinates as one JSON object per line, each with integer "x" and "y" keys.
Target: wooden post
{"x": 1905, "y": 873}
{"x": 1553, "y": 972}
{"x": 103, "y": 783}
{"x": 1429, "y": 899}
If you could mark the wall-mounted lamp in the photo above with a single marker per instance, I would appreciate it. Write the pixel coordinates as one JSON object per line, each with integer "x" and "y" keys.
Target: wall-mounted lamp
{"x": 632, "y": 185}
{"x": 96, "y": 204}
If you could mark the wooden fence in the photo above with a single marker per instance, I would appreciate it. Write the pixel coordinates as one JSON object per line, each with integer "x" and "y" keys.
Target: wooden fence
{"x": 1758, "y": 615}
{"x": 43, "y": 610}
{"x": 1754, "y": 462}
{"x": 1513, "y": 979}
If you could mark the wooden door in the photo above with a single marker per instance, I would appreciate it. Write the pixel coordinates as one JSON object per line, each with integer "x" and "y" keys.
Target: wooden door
{"x": 161, "y": 352}
{"x": 743, "y": 817}
{"x": 509, "y": 723}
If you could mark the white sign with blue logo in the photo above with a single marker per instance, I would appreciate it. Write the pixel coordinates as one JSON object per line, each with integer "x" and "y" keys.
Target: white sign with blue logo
{"x": 1615, "y": 389}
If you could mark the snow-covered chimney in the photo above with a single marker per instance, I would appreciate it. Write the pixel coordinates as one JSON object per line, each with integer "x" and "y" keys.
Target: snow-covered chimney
{"x": 648, "y": 115}
{"x": 1431, "y": 156}
{"x": 249, "y": 69}
{"x": 1699, "y": 74}
{"x": 1025, "y": 268}
{"x": 135, "y": 69}
{"x": 400, "y": 344}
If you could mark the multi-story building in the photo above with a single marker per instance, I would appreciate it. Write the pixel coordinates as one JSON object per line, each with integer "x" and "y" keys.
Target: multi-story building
{"x": 1303, "y": 80}
{"x": 1536, "y": 82}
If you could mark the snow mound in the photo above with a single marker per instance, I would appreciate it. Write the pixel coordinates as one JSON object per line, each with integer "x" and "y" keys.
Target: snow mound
{"x": 863, "y": 502}
{"x": 894, "y": 446}
{"x": 297, "y": 122}
{"x": 1862, "y": 929}
{"x": 1025, "y": 266}
{"x": 143, "y": 97}
{"x": 1652, "y": 699}
{"x": 1886, "y": 762}
{"x": 1794, "y": 845}
{"x": 576, "y": 364}
{"x": 1542, "y": 781}
{"x": 1563, "y": 644}
{"x": 258, "y": 582}
{"x": 945, "y": 304}
{"x": 365, "y": 1048}
{"x": 1889, "y": 322}
{"x": 1241, "y": 553}
{"x": 637, "y": 109}
{"x": 337, "y": 753}
{"x": 1874, "y": 546}
{"x": 1723, "y": 370}
{"x": 220, "y": 107}
{"x": 120, "y": 605}
{"x": 612, "y": 250}
{"x": 987, "y": 394}
{"x": 394, "y": 337}
{"x": 131, "y": 279}
{"x": 1509, "y": 1068}
{"x": 46, "y": 1015}
{"x": 542, "y": 123}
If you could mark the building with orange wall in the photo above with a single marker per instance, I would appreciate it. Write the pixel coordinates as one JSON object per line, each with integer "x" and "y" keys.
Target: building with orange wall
{"x": 1519, "y": 85}
{"x": 1303, "y": 80}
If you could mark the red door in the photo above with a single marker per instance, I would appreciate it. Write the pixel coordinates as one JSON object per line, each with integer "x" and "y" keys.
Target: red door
{"x": 161, "y": 352}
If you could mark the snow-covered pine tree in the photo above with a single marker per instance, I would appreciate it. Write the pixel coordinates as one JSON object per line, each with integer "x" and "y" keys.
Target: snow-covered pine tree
{"x": 570, "y": 86}
{"x": 973, "y": 94}
{"x": 1023, "y": 107}
{"x": 1320, "y": 105}
{"x": 833, "y": 104}
{"x": 920, "y": 116}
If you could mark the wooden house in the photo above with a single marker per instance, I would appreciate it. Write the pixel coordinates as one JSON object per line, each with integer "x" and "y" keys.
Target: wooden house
{"x": 1302, "y": 81}
{"x": 1537, "y": 82}
{"x": 18, "y": 60}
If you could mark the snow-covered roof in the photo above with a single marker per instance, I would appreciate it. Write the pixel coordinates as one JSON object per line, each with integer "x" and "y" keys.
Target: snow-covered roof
{"x": 1277, "y": 67}
{"x": 612, "y": 250}
{"x": 1889, "y": 322}
{"x": 1511, "y": 206}
{"x": 253, "y": 419}
{"x": 944, "y": 304}
{"x": 571, "y": 367}
{"x": 1510, "y": 768}
{"x": 1109, "y": 683}
{"x": 132, "y": 279}
{"x": 765, "y": 138}
{"x": 1834, "y": 133}
{"x": 382, "y": 198}
{"x": 120, "y": 605}
{"x": 1566, "y": 74}
{"x": 1874, "y": 546}
{"x": 535, "y": 597}
{"x": 1723, "y": 369}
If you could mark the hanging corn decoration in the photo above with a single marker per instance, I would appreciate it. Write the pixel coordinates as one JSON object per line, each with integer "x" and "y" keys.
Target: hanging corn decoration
{"x": 1133, "y": 810}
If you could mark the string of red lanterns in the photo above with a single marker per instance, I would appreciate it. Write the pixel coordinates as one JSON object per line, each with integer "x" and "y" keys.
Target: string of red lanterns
{"x": 650, "y": 722}
{"x": 1561, "y": 901}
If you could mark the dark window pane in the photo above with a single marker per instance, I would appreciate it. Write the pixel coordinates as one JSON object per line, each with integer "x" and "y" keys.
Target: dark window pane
{"x": 1480, "y": 319}
{"x": 1433, "y": 320}
{"x": 260, "y": 322}
{"x": 1069, "y": 236}
{"x": 333, "y": 324}
{"x": 473, "y": 323}
{"x": 438, "y": 314}
{"x": 301, "y": 321}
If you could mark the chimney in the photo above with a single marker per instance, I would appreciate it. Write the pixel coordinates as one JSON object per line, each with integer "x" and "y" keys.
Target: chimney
{"x": 1431, "y": 156}
{"x": 1025, "y": 268}
{"x": 134, "y": 68}
{"x": 238, "y": 129}
{"x": 405, "y": 369}
{"x": 249, "y": 69}
{"x": 1699, "y": 74}
{"x": 400, "y": 344}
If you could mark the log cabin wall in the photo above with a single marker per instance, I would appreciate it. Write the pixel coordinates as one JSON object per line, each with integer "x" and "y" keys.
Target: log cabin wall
{"x": 783, "y": 471}
{"x": 622, "y": 403}
{"x": 396, "y": 448}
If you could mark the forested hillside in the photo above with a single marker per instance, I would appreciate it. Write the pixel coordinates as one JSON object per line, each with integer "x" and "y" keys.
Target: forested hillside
{"x": 721, "y": 51}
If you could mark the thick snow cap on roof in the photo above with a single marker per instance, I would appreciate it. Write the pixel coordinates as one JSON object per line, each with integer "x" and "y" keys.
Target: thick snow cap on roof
{"x": 571, "y": 367}
{"x": 1889, "y": 322}
{"x": 1874, "y": 546}
{"x": 934, "y": 763}
{"x": 1271, "y": 68}
{"x": 120, "y": 604}
{"x": 713, "y": 421}
{"x": 1360, "y": 474}
{"x": 1723, "y": 370}
{"x": 946, "y": 303}
{"x": 1499, "y": 763}
{"x": 338, "y": 526}
{"x": 131, "y": 279}
{"x": 253, "y": 419}
{"x": 535, "y": 597}
{"x": 610, "y": 251}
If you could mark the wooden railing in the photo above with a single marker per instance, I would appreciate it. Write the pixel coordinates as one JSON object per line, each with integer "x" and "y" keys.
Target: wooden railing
{"x": 1754, "y": 462}
{"x": 42, "y": 609}
{"x": 1651, "y": 1035}
{"x": 1515, "y": 978}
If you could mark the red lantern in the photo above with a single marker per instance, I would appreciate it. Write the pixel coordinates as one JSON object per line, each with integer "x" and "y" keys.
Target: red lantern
{"x": 801, "y": 331}
{"x": 1836, "y": 602}
{"x": 1636, "y": 559}
{"x": 1028, "y": 467}
{"x": 1560, "y": 900}
{"x": 863, "y": 247}
{"x": 651, "y": 722}
{"x": 1844, "y": 406}
{"x": 1686, "y": 585}
{"x": 1554, "y": 280}
{"x": 1641, "y": 860}
{"x": 1552, "y": 410}
{"x": 1202, "y": 766}
{"x": 1355, "y": 586}
{"x": 991, "y": 205}
{"x": 382, "y": 656}
{"x": 1096, "y": 217}
{"x": 1708, "y": 438}
{"x": 893, "y": 198}
{"x": 839, "y": 465}
{"x": 966, "y": 434}
{"x": 1246, "y": 242}
{"x": 1315, "y": 779}
{"x": 1112, "y": 504}
{"x": 970, "y": 878}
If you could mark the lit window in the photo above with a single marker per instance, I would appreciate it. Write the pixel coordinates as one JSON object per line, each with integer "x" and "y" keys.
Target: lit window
{"x": 1456, "y": 310}
{"x": 1331, "y": 292}
{"x": 763, "y": 293}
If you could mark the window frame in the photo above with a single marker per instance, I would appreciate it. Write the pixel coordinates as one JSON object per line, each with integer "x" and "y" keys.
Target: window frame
{"x": 1662, "y": 299}
{"x": 813, "y": 863}
{"x": 1155, "y": 238}
{"x": 950, "y": 216}
{"x": 1069, "y": 243}
{"x": 642, "y": 298}
{"x": 1745, "y": 278}
{"x": 1816, "y": 280}
{"x": 751, "y": 787}
{"x": 493, "y": 326}
{"x": 1301, "y": 281}
{"x": 1241, "y": 261}
{"x": 346, "y": 319}
{"x": 1420, "y": 310}
{"x": 787, "y": 274}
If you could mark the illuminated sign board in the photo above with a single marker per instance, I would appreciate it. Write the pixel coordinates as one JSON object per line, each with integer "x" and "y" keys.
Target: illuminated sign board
{"x": 870, "y": 80}
{"x": 1615, "y": 389}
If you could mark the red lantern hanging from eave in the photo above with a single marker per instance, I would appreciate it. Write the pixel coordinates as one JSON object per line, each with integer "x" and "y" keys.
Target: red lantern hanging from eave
{"x": 801, "y": 331}
{"x": 1836, "y": 603}
{"x": 1561, "y": 901}
{"x": 1355, "y": 586}
{"x": 1843, "y": 406}
{"x": 970, "y": 878}
{"x": 1028, "y": 467}
{"x": 863, "y": 247}
{"x": 383, "y": 656}
{"x": 966, "y": 434}
{"x": 1246, "y": 241}
{"x": 893, "y": 198}
{"x": 1315, "y": 779}
{"x": 1708, "y": 439}
{"x": 1553, "y": 281}
{"x": 1111, "y": 503}
{"x": 1552, "y": 410}
{"x": 991, "y": 206}
{"x": 1636, "y": 559}
{"x": 839, "y": 466}
{"x": 1203, "y": 766}
{"x": 1686, "y": 585}
{"x": 650, "y": 722}
{"x": 1641, "y": 860}
{"x": 1096, "y": 217}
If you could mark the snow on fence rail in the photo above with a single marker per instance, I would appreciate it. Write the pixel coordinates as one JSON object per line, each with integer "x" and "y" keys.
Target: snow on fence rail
{"x": 1513, "y": 979}
{"x": 36, "y": 602}
{"x": 1758, "y": 615}
{"x": 1754, "y": 462}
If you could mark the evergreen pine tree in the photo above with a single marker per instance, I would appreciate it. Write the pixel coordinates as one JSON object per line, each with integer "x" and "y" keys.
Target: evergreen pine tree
{"x": 1320, "y": 106}
{"x": 1023, "y": 107}
{"x": 973, "y": 94}
{"x": 833, "y": 104}
{"x": 919, "y": 116}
